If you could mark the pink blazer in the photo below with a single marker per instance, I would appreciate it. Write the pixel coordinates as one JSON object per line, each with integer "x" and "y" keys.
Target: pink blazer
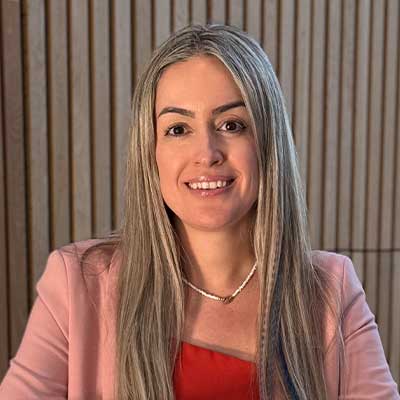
{"x": 68, "y": 349}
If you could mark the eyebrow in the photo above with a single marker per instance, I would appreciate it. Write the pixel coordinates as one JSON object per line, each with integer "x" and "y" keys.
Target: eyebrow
{"x": 215, "y": 111}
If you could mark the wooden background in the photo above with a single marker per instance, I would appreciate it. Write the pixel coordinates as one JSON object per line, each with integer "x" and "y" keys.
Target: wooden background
{"x": 67, "y": 73}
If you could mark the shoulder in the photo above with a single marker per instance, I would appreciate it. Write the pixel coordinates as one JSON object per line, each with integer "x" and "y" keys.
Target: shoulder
{"x": 76, "y": 265}
{"x": 331, "y": 262}
{"x": 92, "y": 254}
{"x": 90, "y": 257}
{"x": 342, "y": 275}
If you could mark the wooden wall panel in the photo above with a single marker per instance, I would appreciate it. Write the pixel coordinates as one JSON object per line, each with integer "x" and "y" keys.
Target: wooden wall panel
{"x": 301, "y": 111}
{"x": 389, "y": 132}
{"x": 4, "y": 316}
{"x": 316, "y": 129}
{"x": 100, "y": 99}
{"x": 254, "y": 19}
{"x": 15, "y": 173}
{"x": 218, "y": 14}
{"x": 236, "y": 11}
{"x": 373, "y": 136}
{"x": 142, "y": 35}
{"x": 67, "y": 74}
{"x": 346, "y": 127}
{"x": 331, "y": 140}
{"x": 162, "y": 22}
{"x": 181, "y": 14}
{"x": 198, "y": 13}
{"x": 121, "y": 71}
{"x": 394, "y": 353}
{"x": 58, "y": 122}
{"x": 360, "y": 134}
{"x": 394, "y": 356}
{"x": 79, "y": 88}
{"x": 286, "y": 51}
{"x": 271, "y": 31}
{"x": 36, "y": 134}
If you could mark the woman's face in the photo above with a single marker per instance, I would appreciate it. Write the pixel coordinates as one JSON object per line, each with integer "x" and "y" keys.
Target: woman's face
{"x": 205, "y": 149}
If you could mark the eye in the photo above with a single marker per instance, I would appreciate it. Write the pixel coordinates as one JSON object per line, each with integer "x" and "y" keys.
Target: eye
{"x": 233, "y": 126}
{"x": 175, "y": 130}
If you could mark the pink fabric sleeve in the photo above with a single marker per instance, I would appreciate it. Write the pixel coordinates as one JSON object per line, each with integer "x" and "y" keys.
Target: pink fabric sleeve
{"x": 39, "y": 370}
{"x": 366, "y": 373}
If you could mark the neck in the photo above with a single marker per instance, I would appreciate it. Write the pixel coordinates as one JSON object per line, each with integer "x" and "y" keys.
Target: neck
{"x": 217, "y": 262}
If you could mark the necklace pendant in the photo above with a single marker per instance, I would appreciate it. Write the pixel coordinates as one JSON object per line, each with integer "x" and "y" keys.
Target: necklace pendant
{"x": 228, "y": 299}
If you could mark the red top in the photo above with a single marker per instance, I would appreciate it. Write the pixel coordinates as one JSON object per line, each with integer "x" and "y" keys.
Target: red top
{"x": 205, "y": 374}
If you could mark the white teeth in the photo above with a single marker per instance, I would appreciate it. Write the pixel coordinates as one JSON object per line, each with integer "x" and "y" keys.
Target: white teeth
{"x": 208, "y": 185}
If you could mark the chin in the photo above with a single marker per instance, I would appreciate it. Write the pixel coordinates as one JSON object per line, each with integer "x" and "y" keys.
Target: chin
{"x": 211, "y": 223}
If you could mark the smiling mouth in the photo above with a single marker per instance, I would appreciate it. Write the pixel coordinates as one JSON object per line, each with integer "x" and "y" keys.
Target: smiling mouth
{"x": 219, "y": 184}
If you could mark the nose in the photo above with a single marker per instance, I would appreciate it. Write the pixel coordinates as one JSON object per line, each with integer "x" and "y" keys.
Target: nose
{"x": 208, "y": 150}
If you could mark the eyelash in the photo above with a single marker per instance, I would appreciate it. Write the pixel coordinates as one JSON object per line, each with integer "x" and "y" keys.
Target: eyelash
{"x": 242, "y": 127}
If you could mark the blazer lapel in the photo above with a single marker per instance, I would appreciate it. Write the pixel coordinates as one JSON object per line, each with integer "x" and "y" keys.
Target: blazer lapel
{"x": 109, "y": 330}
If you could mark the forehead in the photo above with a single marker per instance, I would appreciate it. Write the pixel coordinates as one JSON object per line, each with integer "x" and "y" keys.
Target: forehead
{"x": 200, "y": 81}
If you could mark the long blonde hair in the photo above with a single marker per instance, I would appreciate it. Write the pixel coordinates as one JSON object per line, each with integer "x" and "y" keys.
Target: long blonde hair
{"x": 294, "y": 293}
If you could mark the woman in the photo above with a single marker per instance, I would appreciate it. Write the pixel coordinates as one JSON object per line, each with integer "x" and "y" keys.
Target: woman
{"x": 211, "y": 289}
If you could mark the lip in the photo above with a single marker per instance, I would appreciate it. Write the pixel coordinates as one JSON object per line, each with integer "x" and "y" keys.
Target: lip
{"x": 210, "y": 192}
{"x": 211, "y": 178}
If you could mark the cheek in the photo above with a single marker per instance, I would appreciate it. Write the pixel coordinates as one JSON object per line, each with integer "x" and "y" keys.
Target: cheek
{"x": 252, "y": 161}
{"x": 161, "y": 165}
{"x": 247, "y": 158}
{"x": 168, "y": 172}
{"x": 249, "y": 164}
{"x": 164, "y": 171}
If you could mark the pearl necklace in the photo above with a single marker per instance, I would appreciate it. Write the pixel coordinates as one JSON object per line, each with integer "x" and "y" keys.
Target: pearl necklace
{"x": 226, "y": 299}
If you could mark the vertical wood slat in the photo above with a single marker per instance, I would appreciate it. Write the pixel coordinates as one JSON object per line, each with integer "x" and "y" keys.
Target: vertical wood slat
{"x": 346, "y": 127}
{"x": 181, "y": 14}
{"x": 388, "y": 169}
{"x": 384, "y": 298}
{"x": 199, "y": 11}
{"x": 286, "y": 52}
{"x": 15, "y": 171}
{"x": 332, "y": 77}
{"x": 271, "y": 31}
{"x": 217, "y": 12}
{"x": 121, "y": 96}
{"x": 360, "y": 132}
{"x": 162, "y": 22}
{"x": 373, "y": 150}
{"x": 302, "y": 85}
{"x": 254, "y": 19}
{"x": 4, "y": 328}
{"x": 100, "y": 98}
{"x": 317, "y": 96}
{"x": 389, "y": 121}
{"x": 79, "y": 87}
{"x": 396, "y": 199}
{"x": 58, "y": 125}
{"x": 36, "y": 135}
{"x": 236, "y": 13}
{"x": 394, "y": 357}
{"x": 143, "y": 35}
